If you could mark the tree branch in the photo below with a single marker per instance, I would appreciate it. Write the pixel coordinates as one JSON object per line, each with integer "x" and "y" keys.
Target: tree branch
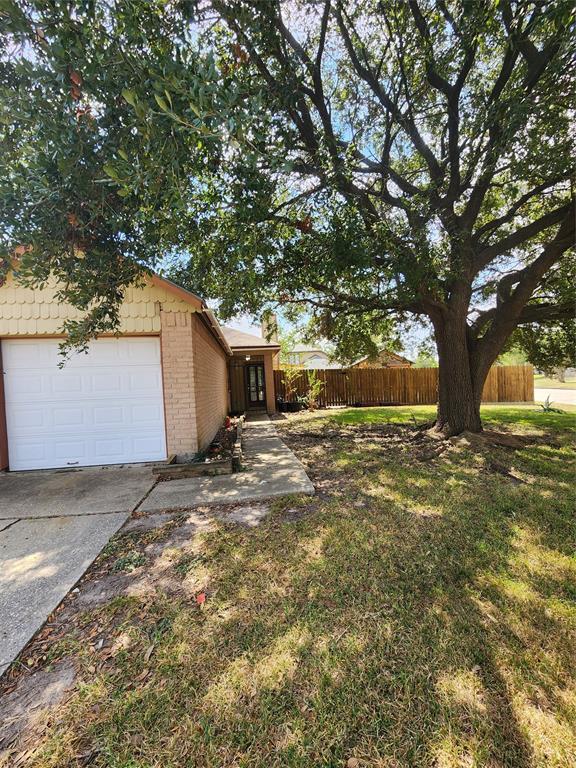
{"x": 489, "y": 252}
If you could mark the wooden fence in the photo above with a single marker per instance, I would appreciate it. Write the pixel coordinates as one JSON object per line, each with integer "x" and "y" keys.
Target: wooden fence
{"x": 406, "y": 386}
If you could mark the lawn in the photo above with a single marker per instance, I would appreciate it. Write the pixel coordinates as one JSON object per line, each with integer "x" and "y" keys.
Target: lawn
{"x": 543, "y": 382}
{"x": 419, "y": 611}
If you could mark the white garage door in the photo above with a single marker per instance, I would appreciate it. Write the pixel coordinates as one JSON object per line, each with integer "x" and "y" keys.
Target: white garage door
{"x": 104, "y": 407}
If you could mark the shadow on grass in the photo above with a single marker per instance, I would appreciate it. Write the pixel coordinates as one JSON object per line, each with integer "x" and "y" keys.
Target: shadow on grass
{"x": 419, "y": 618}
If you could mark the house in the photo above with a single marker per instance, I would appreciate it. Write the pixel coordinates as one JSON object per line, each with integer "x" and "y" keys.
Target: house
{"x": 383, "y": 359}
{"x": 162, "y": 386}
{"x": 308, "y": 356}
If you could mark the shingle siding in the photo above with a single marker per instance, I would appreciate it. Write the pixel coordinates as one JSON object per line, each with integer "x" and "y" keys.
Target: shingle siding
{"x": 37, "y": 312}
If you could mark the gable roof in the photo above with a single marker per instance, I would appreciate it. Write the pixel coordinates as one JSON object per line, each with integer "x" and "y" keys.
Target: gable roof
{"x": 306, "y": 348}
{"x": 380, "y": 351}
{"x": 160, "y": 285}
{"x": 199, "y": 304}
{"x": 240, "y": 340}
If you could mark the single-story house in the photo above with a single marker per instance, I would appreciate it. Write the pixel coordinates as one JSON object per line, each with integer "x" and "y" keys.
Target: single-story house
{"x": 162, "y": 386}
{"x": 383, "y": 359}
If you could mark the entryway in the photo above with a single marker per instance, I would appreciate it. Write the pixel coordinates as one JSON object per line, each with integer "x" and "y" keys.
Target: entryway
{"x": 255, "y": 386}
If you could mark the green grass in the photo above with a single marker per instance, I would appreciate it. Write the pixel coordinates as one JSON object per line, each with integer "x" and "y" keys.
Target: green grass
{"x": 416, "y": 614}
{"x": 543, "y": 382}
{"x": 493, "y": 416}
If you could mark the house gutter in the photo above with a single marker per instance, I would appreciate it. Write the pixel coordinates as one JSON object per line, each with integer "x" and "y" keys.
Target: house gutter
{"x": 215, "y": 327}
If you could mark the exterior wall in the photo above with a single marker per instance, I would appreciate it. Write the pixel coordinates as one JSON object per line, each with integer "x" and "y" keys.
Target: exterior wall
{"x": 179, "y": 386}
{"x": 301, "y": 358}
{"x": 37, "y": 312}
{"x": 194, "y": 365}
{"x": 210, "y": 383}
{"x": 269, "y": 379}
{"x": 238, "y": 381}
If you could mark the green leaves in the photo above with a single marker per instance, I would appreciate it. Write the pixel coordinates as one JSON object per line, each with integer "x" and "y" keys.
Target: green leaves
{"x": 267, "y": 171}
{"x": 129, "y": 96}
{"x": 161, "y": 103}
{"x": 109, "y": 170}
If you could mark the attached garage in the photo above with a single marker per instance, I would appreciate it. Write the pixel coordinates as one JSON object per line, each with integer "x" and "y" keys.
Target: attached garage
{"x": 103, "y": 407}
{"x": 159, "y": 388}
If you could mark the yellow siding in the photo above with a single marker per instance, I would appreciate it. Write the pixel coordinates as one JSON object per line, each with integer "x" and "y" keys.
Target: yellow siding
{"x": 35, "y": 312}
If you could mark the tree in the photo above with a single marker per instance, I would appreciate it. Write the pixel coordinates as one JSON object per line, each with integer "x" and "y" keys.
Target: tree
{"x": 550, "y": 348}
{"x": 371, "y": 160}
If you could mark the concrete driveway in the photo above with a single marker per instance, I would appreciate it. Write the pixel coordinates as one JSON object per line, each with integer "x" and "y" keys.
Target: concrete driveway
{"x": 53, "y": 524}
{"x": 566, "y": 396}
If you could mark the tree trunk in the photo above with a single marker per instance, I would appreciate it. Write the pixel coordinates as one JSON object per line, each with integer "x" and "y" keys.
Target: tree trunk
{"x": 459, "y": 388}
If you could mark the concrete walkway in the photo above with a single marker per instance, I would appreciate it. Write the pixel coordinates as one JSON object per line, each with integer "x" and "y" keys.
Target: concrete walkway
{"x": 270, "y": 469}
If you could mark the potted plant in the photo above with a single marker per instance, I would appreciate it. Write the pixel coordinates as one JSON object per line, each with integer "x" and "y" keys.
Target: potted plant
{"x": 290, "y": 377}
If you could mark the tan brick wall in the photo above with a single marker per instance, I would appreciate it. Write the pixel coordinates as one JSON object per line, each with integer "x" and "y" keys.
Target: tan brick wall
{"x": 178, "y": 376}
{"x": 269, "y": 378}
{"x": 211, "y": 383}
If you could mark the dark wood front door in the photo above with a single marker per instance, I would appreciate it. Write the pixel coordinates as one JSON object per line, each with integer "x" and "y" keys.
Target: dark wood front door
{"x": 255, "y": 385}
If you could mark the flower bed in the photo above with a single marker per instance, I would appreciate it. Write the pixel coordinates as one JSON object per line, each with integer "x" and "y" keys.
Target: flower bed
{"x": 222, "y": 457}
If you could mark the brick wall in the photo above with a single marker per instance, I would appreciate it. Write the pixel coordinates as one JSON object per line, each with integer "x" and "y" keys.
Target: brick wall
{"x": 178, "y": 376}
{"x": 211, "y": 383}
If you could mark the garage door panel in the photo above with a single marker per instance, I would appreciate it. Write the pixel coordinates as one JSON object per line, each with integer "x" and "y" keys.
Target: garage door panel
{"x": 26, "y": 420}
{"x": 84, "y": 414}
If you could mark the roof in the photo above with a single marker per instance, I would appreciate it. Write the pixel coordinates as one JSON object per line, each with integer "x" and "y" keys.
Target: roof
{"x": 382, "y": 349}
{"x": 306, "y": 348}
{"x": 240, "y": 340}
{"x": 194, "y": 299}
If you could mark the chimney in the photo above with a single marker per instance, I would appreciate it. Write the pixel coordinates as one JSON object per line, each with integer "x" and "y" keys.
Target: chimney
{"x": 269, "y": 327}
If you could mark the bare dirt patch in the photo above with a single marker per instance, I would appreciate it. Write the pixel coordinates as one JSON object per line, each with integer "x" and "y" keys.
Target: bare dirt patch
{"x": 26, "y": 705}
{"x": 313, "y": 442}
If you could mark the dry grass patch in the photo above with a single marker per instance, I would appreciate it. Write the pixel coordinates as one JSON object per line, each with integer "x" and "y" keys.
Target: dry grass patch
{"x": 418, "y": 612}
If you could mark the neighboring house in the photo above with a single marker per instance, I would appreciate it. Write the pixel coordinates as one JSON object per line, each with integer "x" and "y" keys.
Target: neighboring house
{"x": 308, "y": 356}
{"x": 163, "y": 386}
{"x": 383, "y": 359}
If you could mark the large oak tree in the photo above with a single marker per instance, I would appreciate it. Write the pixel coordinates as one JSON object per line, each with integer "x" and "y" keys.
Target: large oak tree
{"x": 369, "y": 159}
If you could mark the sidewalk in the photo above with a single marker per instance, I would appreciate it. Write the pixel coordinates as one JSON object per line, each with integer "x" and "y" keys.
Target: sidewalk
{"x": 566, "y": 396}
{"x": 270, "y": 469}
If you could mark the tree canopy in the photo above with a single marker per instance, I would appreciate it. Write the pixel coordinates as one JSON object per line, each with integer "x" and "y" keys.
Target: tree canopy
{"x": 368, "y": 160}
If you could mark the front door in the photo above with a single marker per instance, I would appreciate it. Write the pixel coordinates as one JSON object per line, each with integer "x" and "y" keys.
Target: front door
{"x": 256, "y": 386}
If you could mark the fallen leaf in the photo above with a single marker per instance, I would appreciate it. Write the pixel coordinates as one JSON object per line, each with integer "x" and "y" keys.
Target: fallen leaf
{"x": 352, "y": 762}
{"x": 149, "y": 652}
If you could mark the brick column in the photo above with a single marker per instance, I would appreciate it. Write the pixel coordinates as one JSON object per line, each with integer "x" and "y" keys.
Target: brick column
{"x": 269, "y": 378}
{"x": 178, "y": 377}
